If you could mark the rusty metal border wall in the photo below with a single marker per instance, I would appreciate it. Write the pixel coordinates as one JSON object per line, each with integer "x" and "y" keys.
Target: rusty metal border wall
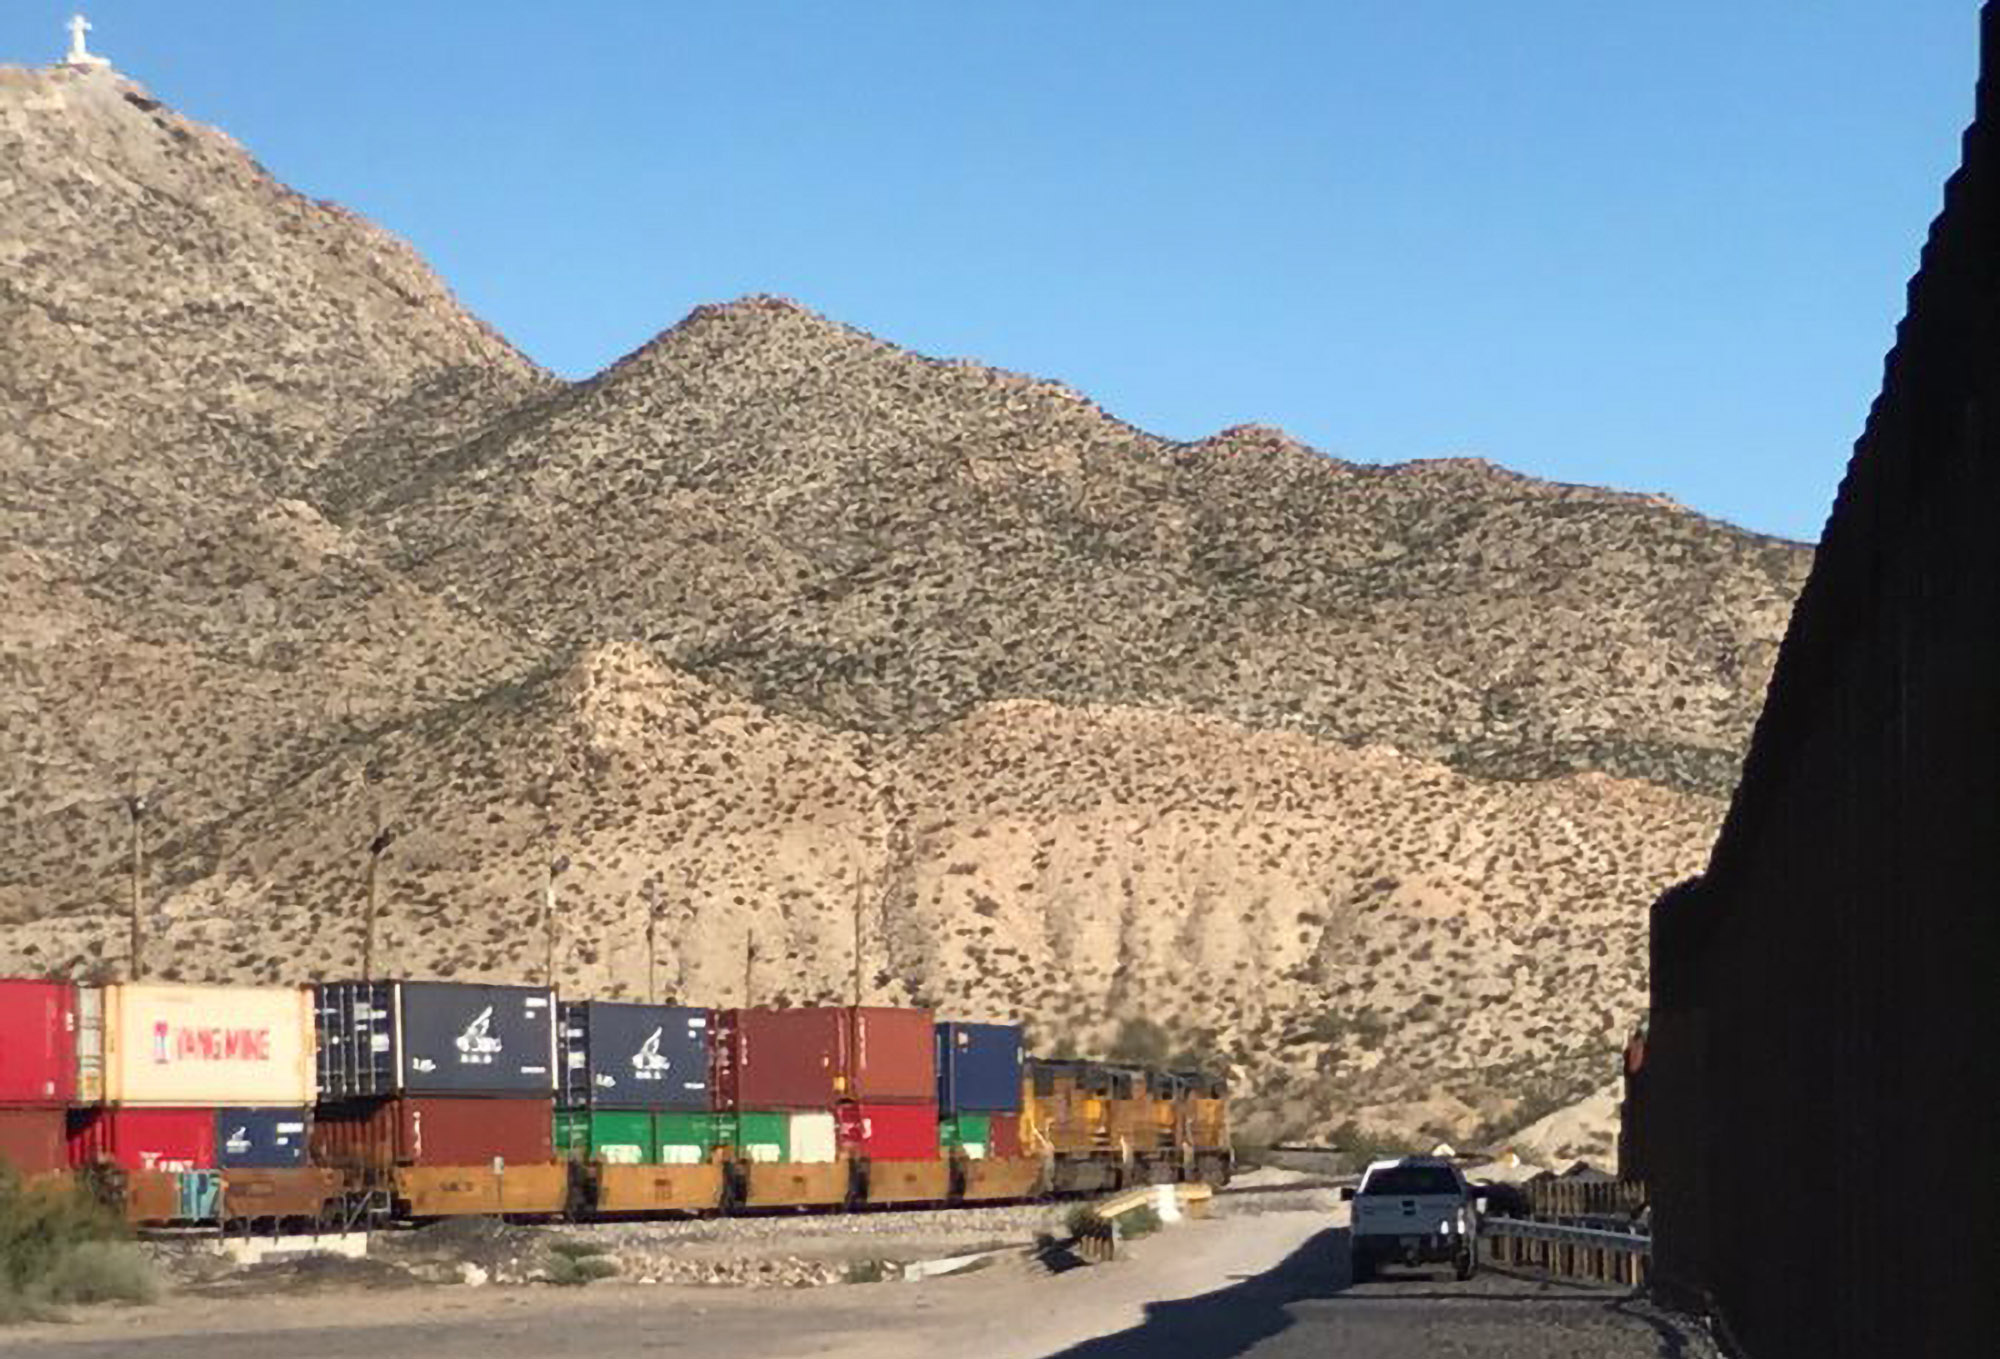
{"x": 1816, "y": 1109}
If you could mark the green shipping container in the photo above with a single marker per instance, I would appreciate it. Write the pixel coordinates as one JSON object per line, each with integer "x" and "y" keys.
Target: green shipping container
{"x": 756, "y": 1137}
{"x": 625, "y": 1139}
{"x": 958, "y": 1130}
{"x": 688, "y": 1139}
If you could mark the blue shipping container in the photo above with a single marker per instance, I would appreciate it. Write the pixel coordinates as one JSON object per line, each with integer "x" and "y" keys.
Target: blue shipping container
{"x": 260, "y": 1139}
{"x": 622, "y": 1055}
{"x": 979, "y": 1068}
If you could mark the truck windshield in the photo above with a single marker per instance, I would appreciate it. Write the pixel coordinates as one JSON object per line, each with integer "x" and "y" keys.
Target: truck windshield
{"x": 1406, "y": 1181}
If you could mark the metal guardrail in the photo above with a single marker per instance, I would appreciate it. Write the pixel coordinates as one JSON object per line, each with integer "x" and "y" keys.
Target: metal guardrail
{"x": 1099, "y": 1241}
{"x": 1589, "y": 1253}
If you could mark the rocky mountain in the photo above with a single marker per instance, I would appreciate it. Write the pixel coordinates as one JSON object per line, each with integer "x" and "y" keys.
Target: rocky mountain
{"x": 183, "y": 343}
{"x": 1357, "y": 778}
{"x": 846, "y": 530}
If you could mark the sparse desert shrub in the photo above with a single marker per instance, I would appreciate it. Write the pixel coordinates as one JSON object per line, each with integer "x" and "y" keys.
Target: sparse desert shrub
{"x": 1141, "y": 1221}
{"x": 59, "y": 1245}
{"x": 1363, "y": 1145}
{"x": 572, "y": 1264}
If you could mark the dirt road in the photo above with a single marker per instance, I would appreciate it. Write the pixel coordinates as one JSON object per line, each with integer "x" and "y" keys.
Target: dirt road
{"x": 1262, "y": 1283}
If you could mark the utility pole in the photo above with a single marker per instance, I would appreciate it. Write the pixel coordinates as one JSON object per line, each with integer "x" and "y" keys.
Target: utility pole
{"x": 378, "y": 845}
{"x": 557, "y": 867}
{"x": 136, "y": 806}
{"x": 651, "y": 892}
{"x": 858, "y": 898}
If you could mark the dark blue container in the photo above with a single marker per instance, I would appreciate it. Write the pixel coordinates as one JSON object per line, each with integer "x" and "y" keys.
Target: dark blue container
{"x": 261, "y": 1139}
{"x": 979, "y": 1068}
{"x": 621, "y": 1055}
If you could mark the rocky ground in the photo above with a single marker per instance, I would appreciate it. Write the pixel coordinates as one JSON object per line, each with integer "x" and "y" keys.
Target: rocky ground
{"x": 1268, "y": 1281}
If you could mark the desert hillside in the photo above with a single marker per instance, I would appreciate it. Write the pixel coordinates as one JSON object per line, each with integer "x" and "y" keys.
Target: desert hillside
{"x": 1355, "y": 778}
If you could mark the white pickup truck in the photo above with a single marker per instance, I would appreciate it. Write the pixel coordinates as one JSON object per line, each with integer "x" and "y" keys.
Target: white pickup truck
{"x": 1417, "y": 1210}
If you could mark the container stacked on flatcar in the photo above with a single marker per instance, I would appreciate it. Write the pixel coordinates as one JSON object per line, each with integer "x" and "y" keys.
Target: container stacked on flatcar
{"x": 635, "y": 1103}
{"x": 441, "y": 1094}
{"x": 434, "y": 1098}
{"x": 979, "y": 1111}
{"x": 37, "y": 1075}
{"x": 195, "y": 1101}
{"x": 855, "y": 1089}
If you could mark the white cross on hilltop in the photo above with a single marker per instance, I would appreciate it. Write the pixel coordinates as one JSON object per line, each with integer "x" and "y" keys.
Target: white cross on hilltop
{"x": 80, "y": 55}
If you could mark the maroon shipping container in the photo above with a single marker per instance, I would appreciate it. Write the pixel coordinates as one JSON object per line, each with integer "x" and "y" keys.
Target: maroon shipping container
{"x": 37, "y": 1042}
{"x": 1003, "y": 1137}
{"x": 781, "y": 1059}
{"x": 890, "y": 1132}
{"x": 815, "y": 1056}
{"x": 434, "y": 1130}
{"x": 33, "y": 1141}
{"x": 143, "y": 1139}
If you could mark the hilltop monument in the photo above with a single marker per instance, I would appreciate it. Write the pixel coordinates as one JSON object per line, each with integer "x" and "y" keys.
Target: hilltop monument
{"x": 80, "y": 55}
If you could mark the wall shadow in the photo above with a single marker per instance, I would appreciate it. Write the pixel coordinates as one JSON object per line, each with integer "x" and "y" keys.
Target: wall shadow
{"x": 1231, "y": 1321}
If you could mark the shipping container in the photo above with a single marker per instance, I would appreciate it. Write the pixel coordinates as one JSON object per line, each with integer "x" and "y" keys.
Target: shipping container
{"x": 965, "y": 1130}
{"x": 979, "y": 1067}
{"x": 890, "y": 1132}
{"x": 37, "y": 1043}
{"x": 164, "y": 1044}
{"x": 623, "y": 1137}
{"x": 893, "y": 1056}
{"x": 434, "y": 1130}
{"x": 781, "y": 1059}
{"x": 1003, "y": 1133}
{"x": 435, "y": 1038}
{"x": 617, "y": 1055}
{"x": 688, "y": 1138}
{"x": 261, "y": 1139}
{"x": 33, "y": 1141}
{"x": 811, "y": 1138}
{"x": 812, "y": 1057}
{"x": 143, "y": 1139}
{"x": 756, "y": 1135}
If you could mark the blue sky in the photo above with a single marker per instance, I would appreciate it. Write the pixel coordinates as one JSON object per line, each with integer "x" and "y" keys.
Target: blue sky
{"x": 1654, "y": 246}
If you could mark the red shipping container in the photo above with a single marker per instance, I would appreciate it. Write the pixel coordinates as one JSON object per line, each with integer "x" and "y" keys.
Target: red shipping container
{"x": 890, "y": 1132}
{"x": 434, "y": 1130}
{"x": 143, "y": 1139}
{"x": 33, "y": 1141}
{"x": 892, "y": 1057}
{"x": 1003, "y": 1137}
{"x": 37, "y": 1042}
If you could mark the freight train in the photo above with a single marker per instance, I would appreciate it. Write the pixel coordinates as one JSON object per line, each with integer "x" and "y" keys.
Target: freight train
{"x": 353, "y": 1103}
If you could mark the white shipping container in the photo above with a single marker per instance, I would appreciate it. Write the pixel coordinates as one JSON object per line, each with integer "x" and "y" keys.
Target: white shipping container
{"x": 812, "y": 1137}
{"x": 163, "y": 1043}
